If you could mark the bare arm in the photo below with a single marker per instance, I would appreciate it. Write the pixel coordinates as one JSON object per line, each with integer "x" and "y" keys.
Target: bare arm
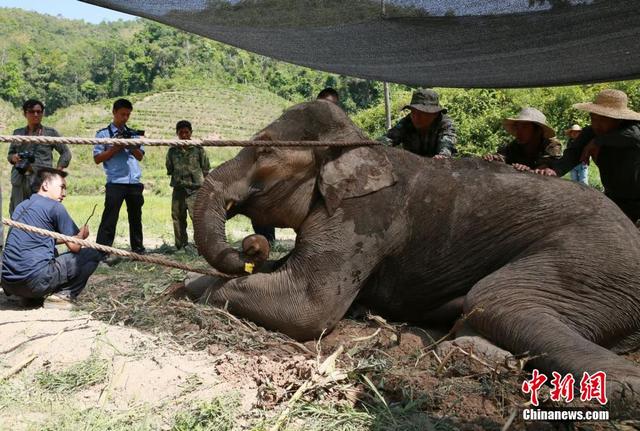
{"x": 137, "y": 153}
{"x": 82, "y": 234}
{"x": 107, "y": 154}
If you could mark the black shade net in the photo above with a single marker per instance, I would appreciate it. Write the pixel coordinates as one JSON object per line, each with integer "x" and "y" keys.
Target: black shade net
{"x": 444, "y": 43}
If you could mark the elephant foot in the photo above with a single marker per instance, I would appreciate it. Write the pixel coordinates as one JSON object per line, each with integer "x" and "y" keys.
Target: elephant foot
{"x": 477, "y": 348}
{"x": 256, "y": 248}
{"x": 623, "y": 398}
{"x": 196, "y": 286}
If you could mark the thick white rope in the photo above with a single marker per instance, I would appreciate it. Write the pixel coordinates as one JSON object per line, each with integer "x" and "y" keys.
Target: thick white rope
{"x": 52, "y": 140}
{"x": 103, "y": 248}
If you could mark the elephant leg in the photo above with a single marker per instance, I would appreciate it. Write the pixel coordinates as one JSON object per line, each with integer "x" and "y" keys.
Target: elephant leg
{"x": 627, "y": 344}
{"x": 446, "y": 314}
{"x": 314, "y": 287}
{"x": 196, "y": 285}
{"x": 520, "y": 313}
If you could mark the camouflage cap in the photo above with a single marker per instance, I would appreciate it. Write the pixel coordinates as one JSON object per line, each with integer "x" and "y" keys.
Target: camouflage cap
{"x": 425, "y": 100}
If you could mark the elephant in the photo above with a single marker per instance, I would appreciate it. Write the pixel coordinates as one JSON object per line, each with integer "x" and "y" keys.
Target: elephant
{"x": 538, "y": 264}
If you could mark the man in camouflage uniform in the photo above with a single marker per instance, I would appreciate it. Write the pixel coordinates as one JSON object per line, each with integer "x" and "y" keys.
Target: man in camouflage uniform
{"x": 534, "y": 144}
{"x": 427, "y": 131}
{"x": 612, "y": 140}
{"x": 187, "y": 167}
{"x": 21, "y": 183}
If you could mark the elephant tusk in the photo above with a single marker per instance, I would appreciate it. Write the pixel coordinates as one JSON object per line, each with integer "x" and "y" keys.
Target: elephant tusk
{"x": 230, "y": 205}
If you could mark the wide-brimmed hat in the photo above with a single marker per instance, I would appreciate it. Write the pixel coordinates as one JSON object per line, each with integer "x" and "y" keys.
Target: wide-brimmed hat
{"x": 574, "y": 128}
{"x": 612, "y": 104}
{"x": 425, "y": 100}
{"x": 529, "y": 115}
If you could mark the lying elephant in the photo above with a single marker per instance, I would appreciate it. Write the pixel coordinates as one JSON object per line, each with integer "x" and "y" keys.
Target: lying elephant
{"x": 550, "y": 266}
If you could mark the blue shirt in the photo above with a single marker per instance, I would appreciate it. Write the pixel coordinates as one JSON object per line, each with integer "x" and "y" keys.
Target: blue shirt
{"x": 123, "y": 167}
{"x": 25, "y": 253}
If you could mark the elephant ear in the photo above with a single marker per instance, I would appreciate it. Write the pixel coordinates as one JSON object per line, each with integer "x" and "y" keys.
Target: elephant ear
{"x": 356, "y": 172}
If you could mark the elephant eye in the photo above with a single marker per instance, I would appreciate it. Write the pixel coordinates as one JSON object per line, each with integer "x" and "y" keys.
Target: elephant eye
{"x": 265, "y": 150}
{"x": 256, "y": 186}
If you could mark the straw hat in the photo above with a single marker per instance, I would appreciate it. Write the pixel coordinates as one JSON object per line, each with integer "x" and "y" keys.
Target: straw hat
{"x": 529, "y": 115}
{"x": 574, "y": 128}
{"x": 612, "y": 104}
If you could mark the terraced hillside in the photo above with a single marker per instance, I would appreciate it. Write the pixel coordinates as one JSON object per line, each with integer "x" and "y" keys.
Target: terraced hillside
{"x": 230, "y": 112}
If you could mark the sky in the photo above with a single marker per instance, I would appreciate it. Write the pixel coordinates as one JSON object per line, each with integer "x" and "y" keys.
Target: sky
{"x": 69, "y": 9}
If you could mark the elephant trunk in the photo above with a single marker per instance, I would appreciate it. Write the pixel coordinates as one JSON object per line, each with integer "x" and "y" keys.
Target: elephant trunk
{"x": 222, "y": 189}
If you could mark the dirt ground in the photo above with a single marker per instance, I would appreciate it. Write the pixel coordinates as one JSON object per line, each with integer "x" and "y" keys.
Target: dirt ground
{"x": 156, "y": 358}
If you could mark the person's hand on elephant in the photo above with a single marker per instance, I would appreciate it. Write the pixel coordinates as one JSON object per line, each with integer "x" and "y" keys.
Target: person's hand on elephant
{"x": 546, "y": 172}
{"x": 440, "y": 157}
{"x": 520, "y": 167}
{"x": 590, "y": 151}
{"x": 494, "y": 158}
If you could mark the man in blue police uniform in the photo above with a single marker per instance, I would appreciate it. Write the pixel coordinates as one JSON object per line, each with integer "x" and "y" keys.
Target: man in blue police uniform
{"x": 123, "y": 178}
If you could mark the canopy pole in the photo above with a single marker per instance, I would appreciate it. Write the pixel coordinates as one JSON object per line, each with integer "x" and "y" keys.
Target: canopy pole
{"x": 387, "y": 105}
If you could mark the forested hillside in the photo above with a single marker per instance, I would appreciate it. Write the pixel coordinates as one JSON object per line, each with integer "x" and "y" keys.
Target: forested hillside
{"x": 69, "y": 62}
{"x": 65, "y": 62}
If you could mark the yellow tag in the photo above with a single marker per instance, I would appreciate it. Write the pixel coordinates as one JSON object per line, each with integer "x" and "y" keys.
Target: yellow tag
{"x": 248, "y": 267}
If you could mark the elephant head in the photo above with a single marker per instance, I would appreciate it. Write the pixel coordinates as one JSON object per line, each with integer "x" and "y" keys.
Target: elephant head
{"x": 277, "y": 186}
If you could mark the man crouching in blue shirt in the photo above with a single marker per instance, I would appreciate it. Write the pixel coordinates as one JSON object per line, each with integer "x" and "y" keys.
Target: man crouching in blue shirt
{"x": 30, "y": 268}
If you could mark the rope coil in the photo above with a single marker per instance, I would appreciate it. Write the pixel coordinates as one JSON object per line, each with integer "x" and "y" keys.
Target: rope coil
{"x": 105, "y": 249}
{"x": 52, "y": 140}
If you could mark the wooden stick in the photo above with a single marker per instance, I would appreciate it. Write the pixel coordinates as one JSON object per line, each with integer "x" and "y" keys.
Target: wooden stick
{"x": 18, "y": 367}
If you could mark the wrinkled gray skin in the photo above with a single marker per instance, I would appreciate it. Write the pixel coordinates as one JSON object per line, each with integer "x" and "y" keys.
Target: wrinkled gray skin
{"x": 552, "y": 265}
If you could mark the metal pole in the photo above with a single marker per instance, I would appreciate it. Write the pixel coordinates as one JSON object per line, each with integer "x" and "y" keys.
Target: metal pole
{"x": 387, "y": 105}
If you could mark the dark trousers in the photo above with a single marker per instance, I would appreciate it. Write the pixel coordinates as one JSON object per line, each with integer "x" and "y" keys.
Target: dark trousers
{"x": 269, "y": 232}
{"x": 630, "y": 207}
{"x": 115, "y": 194}
{"x": 66, "y": 274}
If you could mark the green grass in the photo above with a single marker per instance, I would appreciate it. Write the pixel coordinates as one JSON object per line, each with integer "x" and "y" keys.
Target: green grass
{"x": 94, "y": 419}
{"x": 46, "y": 401}
{"x": 87, "y": 373}
{"x": 321, "y": 416}
{"x": 218, "y": 414}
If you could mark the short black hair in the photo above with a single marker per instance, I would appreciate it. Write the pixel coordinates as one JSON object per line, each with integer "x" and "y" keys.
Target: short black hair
{"x": 29, "y": 104}
{"x": 183, "y": 124}
{"x": 328, "y": 92}
{"x": 122, "y": 103}
{"x": 45, "y": 174}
